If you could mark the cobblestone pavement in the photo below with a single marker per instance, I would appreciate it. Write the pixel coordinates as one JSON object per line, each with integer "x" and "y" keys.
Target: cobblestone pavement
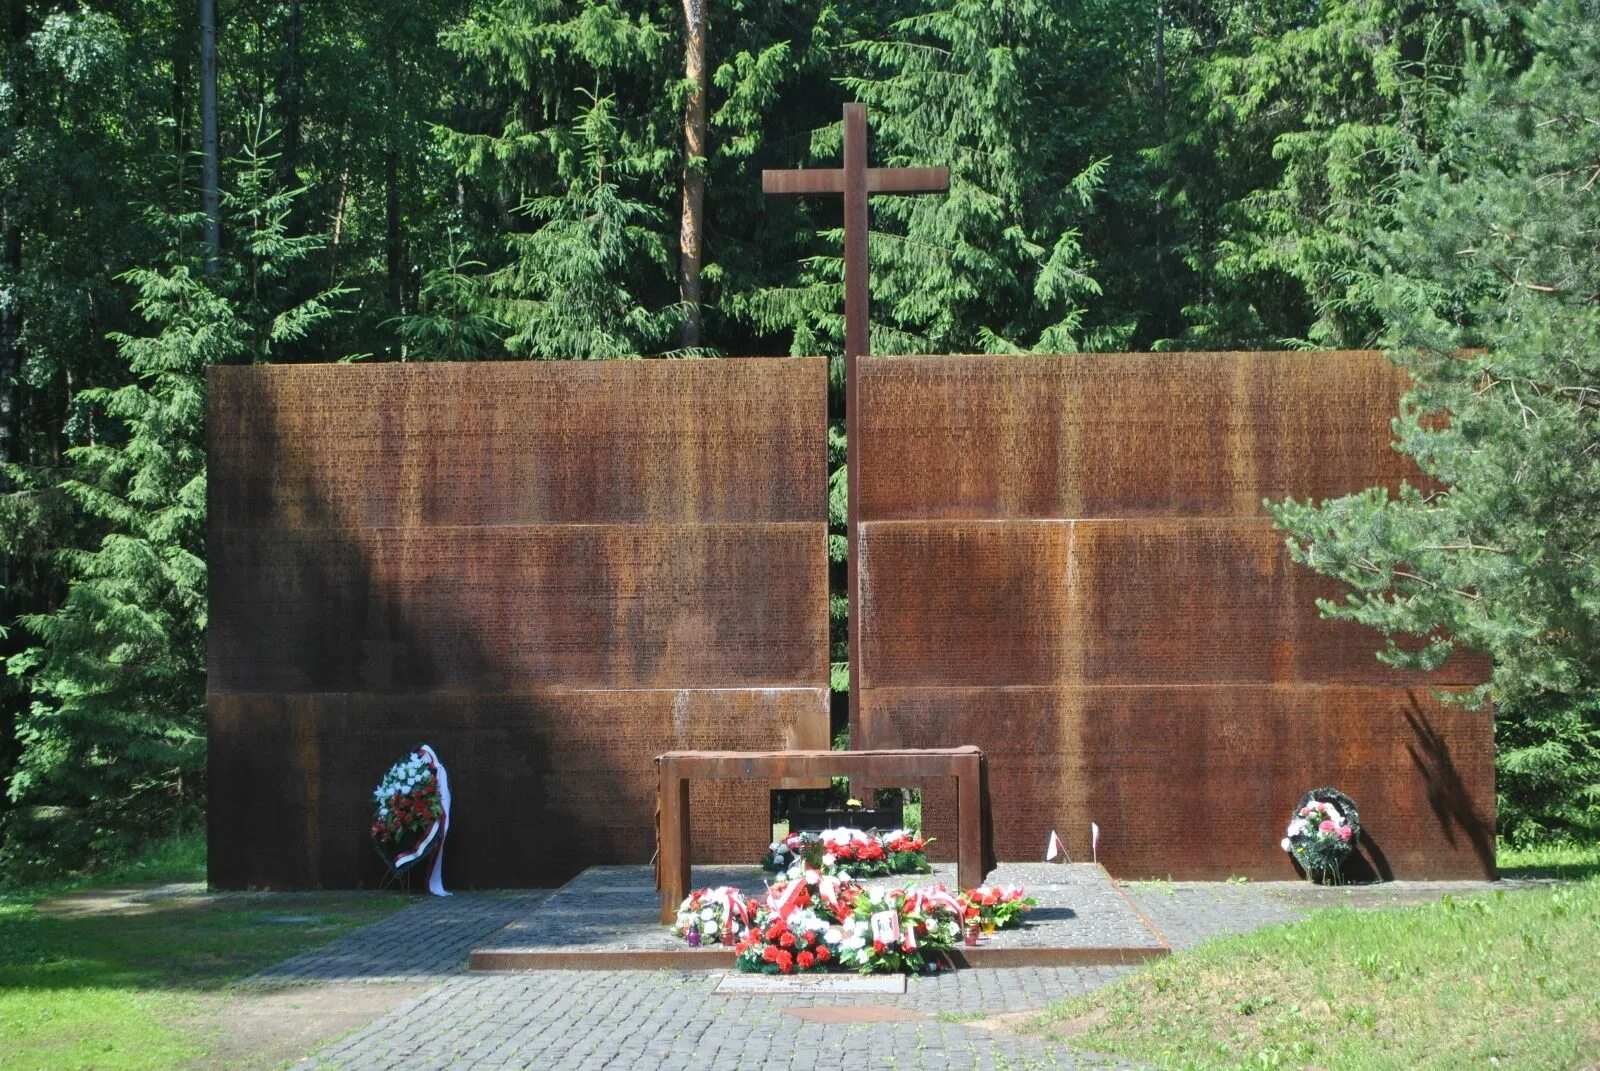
{"x": 420, "y": 944}
{"x": 590, "y": 1020}
{"x": 578, "y": 1020}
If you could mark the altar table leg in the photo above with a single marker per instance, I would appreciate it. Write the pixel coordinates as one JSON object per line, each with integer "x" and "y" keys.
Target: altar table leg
{"x": 675, "y": 847}
{"x": 969, "y": 826}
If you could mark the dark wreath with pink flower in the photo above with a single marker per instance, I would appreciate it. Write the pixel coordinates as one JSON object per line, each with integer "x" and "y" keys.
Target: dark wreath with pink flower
{"x": 1323, "y": 831}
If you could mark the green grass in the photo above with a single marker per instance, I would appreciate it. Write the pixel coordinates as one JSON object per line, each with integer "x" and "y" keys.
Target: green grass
{"x": 1564, "y": 859}
{"x": 1503, "y": 980}
{"x": 178, "y": 858}
{"x": 912, "y": 818}
{"x": 119, "y": 991}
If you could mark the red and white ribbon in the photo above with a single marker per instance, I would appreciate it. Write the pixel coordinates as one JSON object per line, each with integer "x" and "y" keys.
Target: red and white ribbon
{"x": 440, "y": 828}
{"x": 927, "y": 901}
{"x": 828, "y": 891}
{"x": 783, "y": 903}
{"x": 735, "y": 911}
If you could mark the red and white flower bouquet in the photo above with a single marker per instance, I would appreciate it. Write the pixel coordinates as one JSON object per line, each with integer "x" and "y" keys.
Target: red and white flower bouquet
{"x": 817, "y": 921}
{"x": 714, "y": 916}
{"x": 998, "y": 907}
{"x": 795, "y": 944}
{"x": 850, "y": 853}
{"x": 893, "y": 930}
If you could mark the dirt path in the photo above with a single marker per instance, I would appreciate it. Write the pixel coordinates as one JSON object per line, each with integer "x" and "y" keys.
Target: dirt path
{"x": 254, "y": 1029}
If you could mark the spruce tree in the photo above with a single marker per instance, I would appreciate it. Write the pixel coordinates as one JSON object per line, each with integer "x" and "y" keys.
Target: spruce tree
{"x": 1489, "y": 284}
{"x": 113, "y": 747}
{"x": 1290, "y": 122}
{"x": 569, "y": 153}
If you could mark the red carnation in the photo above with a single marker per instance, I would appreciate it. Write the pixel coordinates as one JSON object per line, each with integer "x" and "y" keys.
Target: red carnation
{"x": 823, "y": 955}
{"x": 785, "y": 962}
{"x": 774, "y": 930}
{"x": 877, "y": 946}
{"x": 787, "y": 940}
{"x": 805, "y": 960}
{"x": 770, "y": 953}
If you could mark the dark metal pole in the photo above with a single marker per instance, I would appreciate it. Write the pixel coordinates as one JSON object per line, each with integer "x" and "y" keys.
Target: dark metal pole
{"x": 210, "y": 165}
{"x": 856, "y": 344}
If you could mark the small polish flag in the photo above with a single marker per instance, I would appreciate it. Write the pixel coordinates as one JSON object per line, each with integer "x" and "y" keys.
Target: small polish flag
{"x": 1094, "y": 840}
{"x": 1054, "y": 848}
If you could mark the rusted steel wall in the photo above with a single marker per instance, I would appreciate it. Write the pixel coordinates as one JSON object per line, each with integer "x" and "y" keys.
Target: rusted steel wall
{"x": 1064, "y": 560}
{"x": 551, "y": 572}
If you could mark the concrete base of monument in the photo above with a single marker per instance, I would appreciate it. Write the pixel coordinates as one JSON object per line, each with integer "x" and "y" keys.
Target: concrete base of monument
{"x": 607, "y": 918}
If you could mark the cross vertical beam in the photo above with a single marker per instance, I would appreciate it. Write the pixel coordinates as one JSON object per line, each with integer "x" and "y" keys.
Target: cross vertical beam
{"x": 855, "y": 181}
{"x": 857, "y": 343}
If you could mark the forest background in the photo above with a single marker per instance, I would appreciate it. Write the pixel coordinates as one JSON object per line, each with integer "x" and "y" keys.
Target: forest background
{"x": 493, "y": 179}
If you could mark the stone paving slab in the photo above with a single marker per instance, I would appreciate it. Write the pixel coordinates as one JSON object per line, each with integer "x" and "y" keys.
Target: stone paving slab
{"x": 810, "y": 984}
{"x": 607, "y": 918}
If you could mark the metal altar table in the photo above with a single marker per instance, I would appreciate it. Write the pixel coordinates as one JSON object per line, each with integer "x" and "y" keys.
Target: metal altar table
{"x": 974, "y": 839}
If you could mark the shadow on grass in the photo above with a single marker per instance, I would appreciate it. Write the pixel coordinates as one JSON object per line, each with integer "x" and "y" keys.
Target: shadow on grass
{"x": 197, "y": 945}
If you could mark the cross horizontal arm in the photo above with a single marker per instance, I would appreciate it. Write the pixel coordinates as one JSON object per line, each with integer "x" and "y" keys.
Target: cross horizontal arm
{"x": 813, "y": 180}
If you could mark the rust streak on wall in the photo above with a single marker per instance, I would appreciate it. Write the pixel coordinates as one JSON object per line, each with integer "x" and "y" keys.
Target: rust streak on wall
{"x": 551, "y": 572}
{"x": 1065, "y": 561}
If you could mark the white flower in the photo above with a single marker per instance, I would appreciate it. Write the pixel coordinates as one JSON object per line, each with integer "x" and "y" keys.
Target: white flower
{"x": 828, "y": 859}
{"x": 1286, "y": 845}
{"x": 833, "y": 935}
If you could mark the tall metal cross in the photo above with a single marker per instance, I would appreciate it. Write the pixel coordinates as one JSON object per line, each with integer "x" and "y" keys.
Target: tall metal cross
{"x": 855, "y": 181}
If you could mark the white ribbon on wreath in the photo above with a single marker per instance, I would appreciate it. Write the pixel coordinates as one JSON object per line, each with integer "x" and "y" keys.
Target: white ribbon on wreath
{"x": 440, "y": 828}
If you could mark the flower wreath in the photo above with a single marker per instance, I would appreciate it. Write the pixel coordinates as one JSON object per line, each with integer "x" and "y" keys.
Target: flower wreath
{"x": 1323, "y": 831}
{"x": 411, "y": 815}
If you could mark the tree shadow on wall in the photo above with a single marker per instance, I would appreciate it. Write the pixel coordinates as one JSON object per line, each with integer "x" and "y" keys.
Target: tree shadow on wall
{"x": 326, "y": 666}
{"x": 1449, "y": 795}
